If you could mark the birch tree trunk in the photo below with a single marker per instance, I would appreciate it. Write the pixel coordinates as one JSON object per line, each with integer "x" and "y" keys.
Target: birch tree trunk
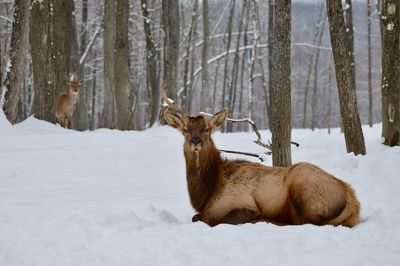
{"x": 18, "y": 53}
{"x": 345, "y": 79}
{"x": 281, "y": 95}
{"x": 390, "y": 70}
{"x": 123, "y": 90}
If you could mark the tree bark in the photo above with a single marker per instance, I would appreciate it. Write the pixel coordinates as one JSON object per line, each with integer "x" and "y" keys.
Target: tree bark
{"x": 315, "y": 85}
{"x": 271, "y": 11}
{"x": 123, "y": 90}
{"x": 390, "y": 69}
{"x": 204, "y": 103}
{"x": 170, "y": 17}
{"x": 345, "y": 79}
{"x": 18, "y": 53}
{"x": 50, "y": 39}
{"x": 235, "y": 67}
{"x": 370, "y": 116}
{"x": 81, "y": 113}
{"x": 281, "y": 95}
{"x": 229, "y": 29}
{"x": 350, "y": 33}
{"x": 151, "y": 68}
{"x": 109, "y": 110}
{"x": 189, "y": 50}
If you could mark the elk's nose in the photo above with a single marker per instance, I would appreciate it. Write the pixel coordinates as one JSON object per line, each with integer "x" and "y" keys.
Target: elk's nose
{"x": 196, "y": 141}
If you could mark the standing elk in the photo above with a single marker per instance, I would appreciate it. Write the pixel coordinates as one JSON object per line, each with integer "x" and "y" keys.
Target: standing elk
{"x": 238, "y": 191}
{"x": 65, "y": 103}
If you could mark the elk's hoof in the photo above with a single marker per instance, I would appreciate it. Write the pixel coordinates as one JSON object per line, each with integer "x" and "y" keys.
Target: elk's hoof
{"x": 196, "y": 218}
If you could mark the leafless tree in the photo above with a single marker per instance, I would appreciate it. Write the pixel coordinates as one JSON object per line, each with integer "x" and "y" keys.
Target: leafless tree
{"x": 281, "y": 93}
{"x": 345, "y": 79}
{"x": 18, "y": 53}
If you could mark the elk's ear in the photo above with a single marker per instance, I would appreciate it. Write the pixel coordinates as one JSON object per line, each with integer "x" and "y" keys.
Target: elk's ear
{"x": 80, "y": 82}
{"x": 218, "y": 119}
{"x": 173, "y": 119}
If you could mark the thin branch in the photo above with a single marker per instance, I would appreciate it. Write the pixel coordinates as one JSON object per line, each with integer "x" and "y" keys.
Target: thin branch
{"x": 90, "y": 44}
{"x": 244, "y": 153}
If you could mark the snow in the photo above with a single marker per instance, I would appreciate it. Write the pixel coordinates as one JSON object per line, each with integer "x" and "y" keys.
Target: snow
{"x": 119, "y": 198}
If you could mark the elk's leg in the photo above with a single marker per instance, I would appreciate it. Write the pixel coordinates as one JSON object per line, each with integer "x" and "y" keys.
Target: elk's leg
{"x": 238, "y": 216}
{"x": 69, "y": 122}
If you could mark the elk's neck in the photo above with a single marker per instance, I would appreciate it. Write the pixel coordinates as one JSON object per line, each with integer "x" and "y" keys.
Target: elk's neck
{"x": 72, "y": 97}
{"x": 203, "y": 174}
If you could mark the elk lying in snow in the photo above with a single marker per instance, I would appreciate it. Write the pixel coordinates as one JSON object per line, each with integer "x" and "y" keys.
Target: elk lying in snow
{"x": 236, "y": 191}
{"x": 65, "y": 103}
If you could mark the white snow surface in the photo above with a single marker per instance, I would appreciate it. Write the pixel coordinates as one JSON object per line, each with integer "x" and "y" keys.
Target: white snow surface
{"x": 119, "y": 198}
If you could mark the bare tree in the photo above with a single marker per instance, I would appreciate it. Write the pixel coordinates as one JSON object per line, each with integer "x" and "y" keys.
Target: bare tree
{"x": 151, "y": 68}
{"x": 228, "y": 46}
{"x": 123, "y": 90}
{"x": 189, "y": 49}
{"x": 204, "y": 104}
{"x": 18, "y": 52}
{"x": 370, "y": 117}
{"x": 51, "y": 58}
{"x": 281, "y": 93}
{"x": 390, "y": 69}
{"x": 81, "y": 114}
{"x": 348, "y": 15}
{"x": 271, "y": 12}
{"x": 170, "y": 18}
{"x": 345, "y": 79}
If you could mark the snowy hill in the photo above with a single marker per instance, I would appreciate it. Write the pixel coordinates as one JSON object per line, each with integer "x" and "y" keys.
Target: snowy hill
{"x": 119, "y": 198}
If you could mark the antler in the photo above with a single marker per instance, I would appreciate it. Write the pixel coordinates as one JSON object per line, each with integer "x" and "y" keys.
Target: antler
{"x": 170, "y": 104}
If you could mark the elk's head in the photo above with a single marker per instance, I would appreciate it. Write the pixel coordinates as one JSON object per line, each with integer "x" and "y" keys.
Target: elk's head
{"x": 196, "y": 130}
{"x": 74, "y": 85}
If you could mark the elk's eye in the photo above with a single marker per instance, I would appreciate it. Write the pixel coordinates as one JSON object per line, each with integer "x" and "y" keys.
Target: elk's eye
{"x": 185, "y": 131}
{"x": 208, "y": 130}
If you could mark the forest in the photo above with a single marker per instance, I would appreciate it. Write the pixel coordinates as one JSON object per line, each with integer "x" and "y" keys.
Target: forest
{"x": 211, "y": 55}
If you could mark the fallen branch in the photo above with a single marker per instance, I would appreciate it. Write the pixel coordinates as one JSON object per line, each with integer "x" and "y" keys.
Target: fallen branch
{"x": 244, "y": 153}
{"x": 254, "y": 127}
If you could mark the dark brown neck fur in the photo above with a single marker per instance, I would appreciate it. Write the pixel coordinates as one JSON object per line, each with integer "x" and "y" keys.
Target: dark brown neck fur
{"x": 203, "y": 175}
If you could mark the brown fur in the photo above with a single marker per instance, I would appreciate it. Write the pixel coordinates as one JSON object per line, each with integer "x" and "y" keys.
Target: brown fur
{"x": 65, "y": 103}
{"x": 234, "y": 192}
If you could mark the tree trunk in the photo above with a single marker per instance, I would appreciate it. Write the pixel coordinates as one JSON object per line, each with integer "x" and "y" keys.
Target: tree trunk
{"x": 229, "y": 29}
{"x": 271, "y": 11}
{"x": 345, "y": 79}
{"x": 370, "y": 117}
{"x": 189, "y": 50}
{"x": 350, "y": 33}
{"x": 204, "y": 103}
{"x": 170, "y": 17}
{"x": 235, "y": 67}
{"x": 81, "y": 113}
{"x": 18, "y": 53}
{"x": 151, "y": 57}
{"x": 314, "y": 96}
{"x": 281, "y": 95}
{"x": 50, "y": 39}
{"x": 390, "y": 69}
{"x": 109, "y": 110}
{"x": 123, "y": 90}
{"x": 310, "y": 68}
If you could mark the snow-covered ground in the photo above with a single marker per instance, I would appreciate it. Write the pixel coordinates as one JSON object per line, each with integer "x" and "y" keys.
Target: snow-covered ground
{"x": 119, "y": 198}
